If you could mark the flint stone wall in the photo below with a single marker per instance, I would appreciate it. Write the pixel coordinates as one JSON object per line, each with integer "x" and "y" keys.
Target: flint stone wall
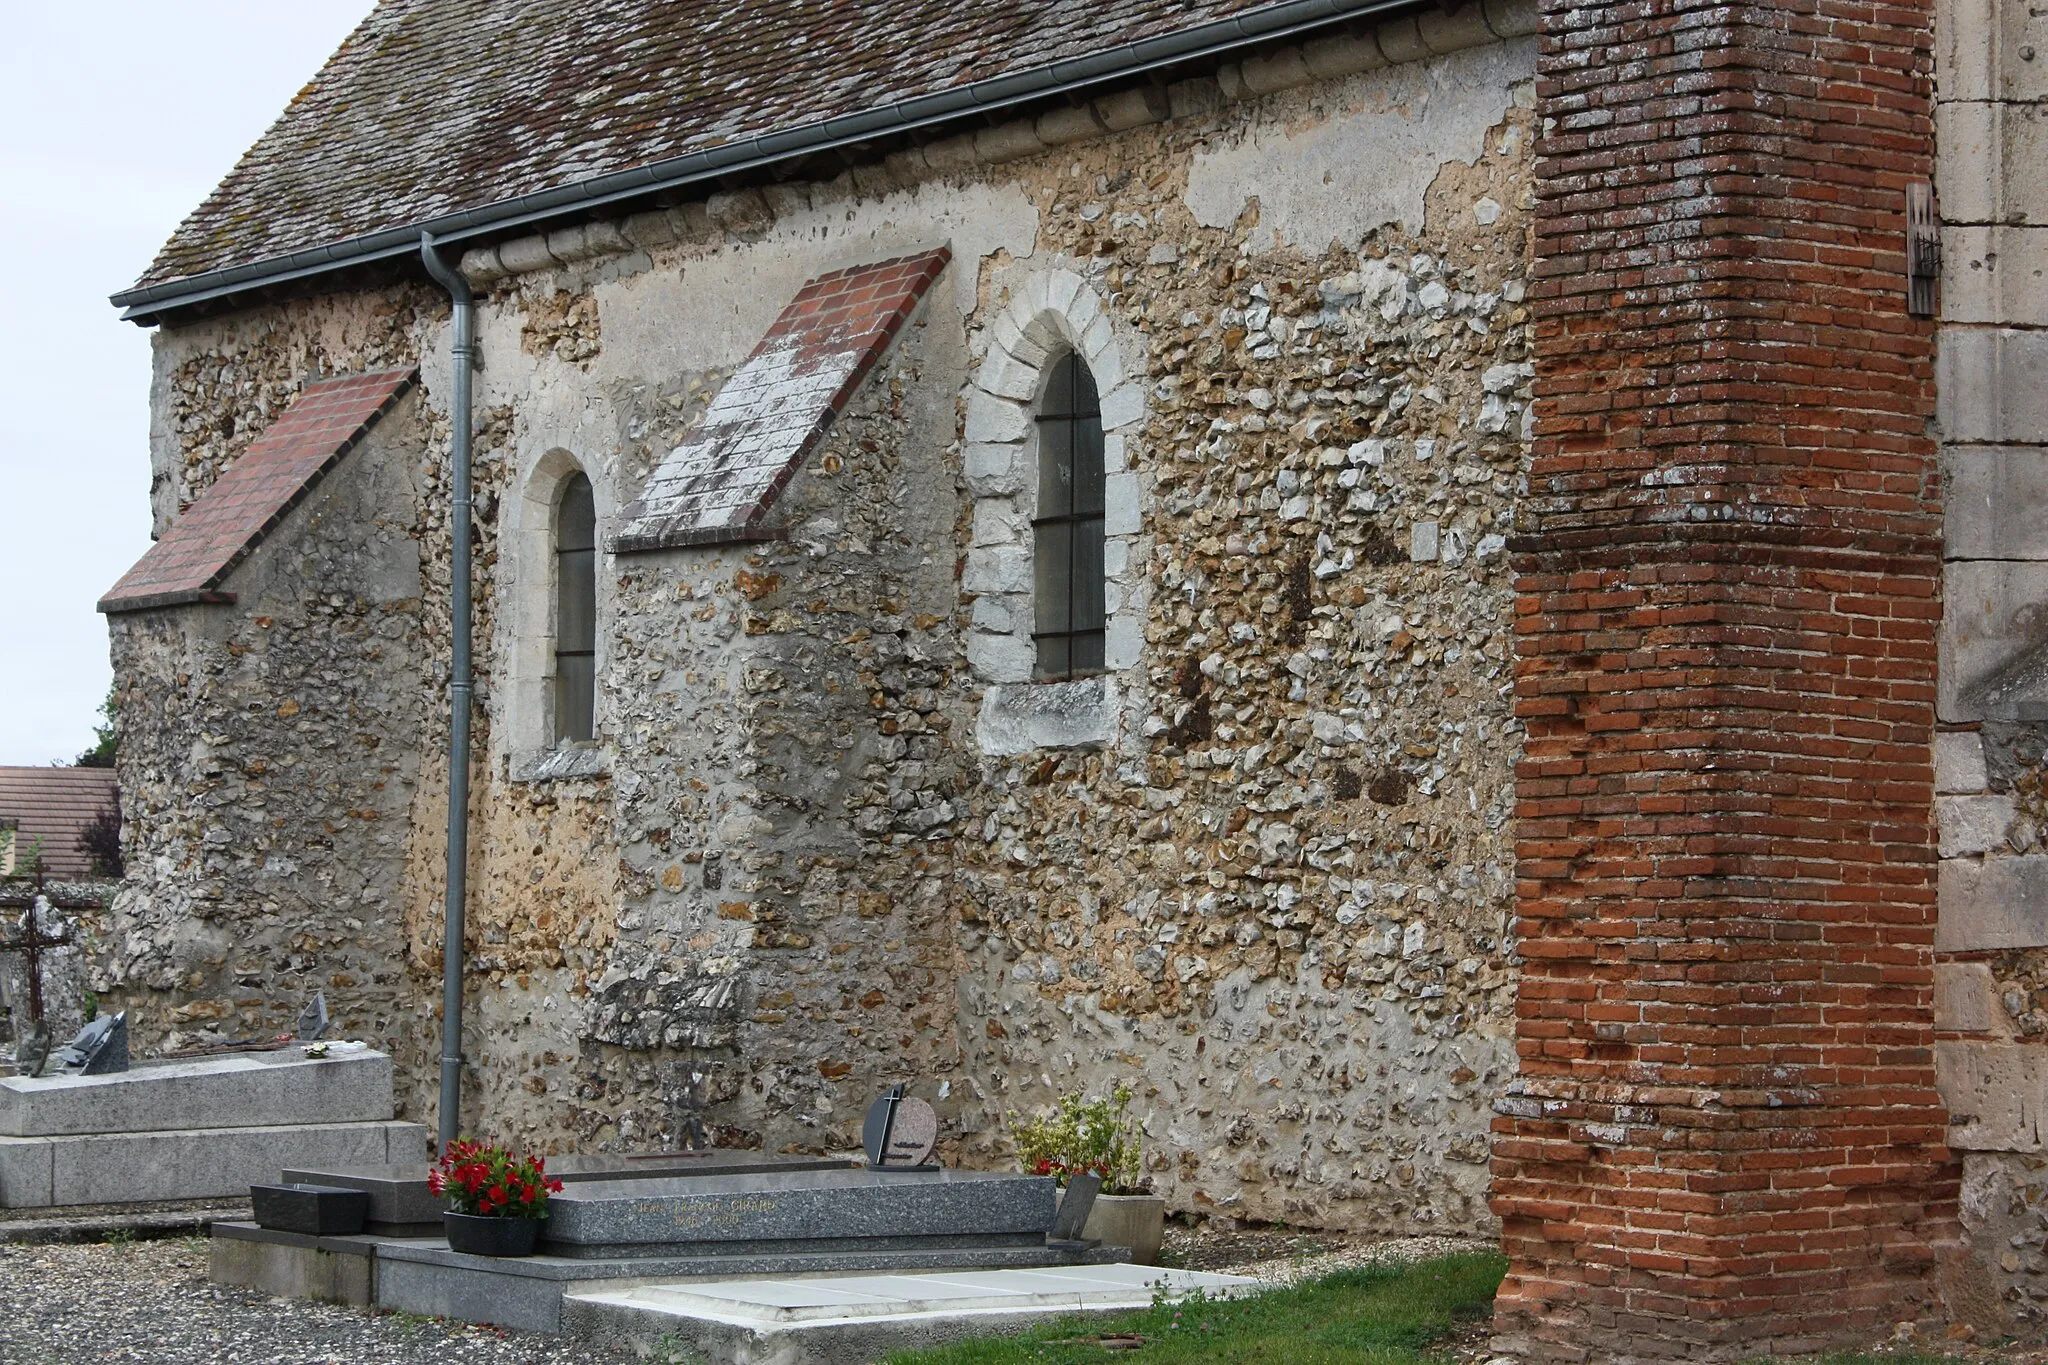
{"x": 823, "y": 841}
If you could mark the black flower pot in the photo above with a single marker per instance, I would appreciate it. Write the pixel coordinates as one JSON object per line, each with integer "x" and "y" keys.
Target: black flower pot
{"x": 481, "y": 1236}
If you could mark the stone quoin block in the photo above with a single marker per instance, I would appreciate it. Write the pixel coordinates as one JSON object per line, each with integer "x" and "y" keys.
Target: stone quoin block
{"x": 1973, "y": 824}
{"x": 1959, "y": 763}
{"x": 1967, "y": 999}
{"x": 1997, "y": 1095}
{"x": 1991, "y": 50}
{"x": 1994, "y": 274}
{"x": 1984, "y": 148}
{"x": 1993, "y": 664}
{"x": 1997, "y": 502}
{"x": 1987, "y": 390}
{"x": 1993, "y": 903}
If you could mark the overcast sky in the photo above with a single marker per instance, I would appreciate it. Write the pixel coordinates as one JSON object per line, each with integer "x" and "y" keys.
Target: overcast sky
{"x": 122, "y": 115}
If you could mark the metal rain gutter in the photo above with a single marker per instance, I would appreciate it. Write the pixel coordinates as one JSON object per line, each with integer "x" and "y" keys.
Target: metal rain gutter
{"x": 1057, "y": 78}
{"x": 450, "y": 278}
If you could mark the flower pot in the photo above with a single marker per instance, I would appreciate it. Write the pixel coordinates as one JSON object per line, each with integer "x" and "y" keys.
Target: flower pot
{"x": 481, "y": 1236}
{"x": 1137, "y": 1221}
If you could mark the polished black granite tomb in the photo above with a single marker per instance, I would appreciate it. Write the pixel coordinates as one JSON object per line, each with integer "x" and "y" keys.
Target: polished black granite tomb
{"x": 400, "y": 1204}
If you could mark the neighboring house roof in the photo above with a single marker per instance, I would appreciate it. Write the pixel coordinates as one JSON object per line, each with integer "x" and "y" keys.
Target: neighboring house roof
{"x": 720, "y": 482}
{"x": 234, "y": 514}
{"x": 432, "y": 107}
{"x": 54, "y": 805}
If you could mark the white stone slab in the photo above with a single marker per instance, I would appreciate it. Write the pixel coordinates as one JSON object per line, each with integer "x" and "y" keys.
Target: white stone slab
{"x": 819, "y": 1302}
{"x": 257, "y": 1089}
{"x": 1972, "y": 825}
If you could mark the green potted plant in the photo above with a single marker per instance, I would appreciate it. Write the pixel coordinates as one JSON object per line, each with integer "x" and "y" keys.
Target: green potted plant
{"x": 496, "y": 1200}
{"x": 1082, "y": 1135}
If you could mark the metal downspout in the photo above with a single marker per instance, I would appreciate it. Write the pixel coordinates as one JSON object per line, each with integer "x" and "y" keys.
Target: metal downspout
{"x": 451, "y": 279}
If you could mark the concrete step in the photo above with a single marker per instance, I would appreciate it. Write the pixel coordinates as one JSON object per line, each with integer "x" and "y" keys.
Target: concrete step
{"x": 189, "y": 1163}
{"x": 842, "y": 1319}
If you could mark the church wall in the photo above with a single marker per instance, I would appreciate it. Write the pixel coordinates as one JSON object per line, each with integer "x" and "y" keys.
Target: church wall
{"x": 1272, "y": 888}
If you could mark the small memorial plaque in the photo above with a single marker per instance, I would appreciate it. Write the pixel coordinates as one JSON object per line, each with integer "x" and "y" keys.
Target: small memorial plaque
{"x": 900, "y": 1131}
{"x": 1075, "y": 1206}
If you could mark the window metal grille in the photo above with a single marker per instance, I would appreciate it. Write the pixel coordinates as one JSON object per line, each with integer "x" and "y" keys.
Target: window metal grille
{"x": 576, "y": 612}
{"x": 1067, "y": 532}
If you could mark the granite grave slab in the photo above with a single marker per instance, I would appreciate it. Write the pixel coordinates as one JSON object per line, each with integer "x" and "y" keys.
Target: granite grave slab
{"x": 271, "y": 1088}
{"x": 822, "y": 1210}
{"x": 400, "y": 1202}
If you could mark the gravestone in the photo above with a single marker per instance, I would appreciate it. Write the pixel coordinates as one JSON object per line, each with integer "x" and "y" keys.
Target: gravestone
{"x": 41, "y": 974}
{"x": 101, "y": 1047}
{"x": 900, "y": 1131}
{"x": 107, "y": 1054}
{"x": 1075, "y": 1206}
{"x": 313, "y": 1019}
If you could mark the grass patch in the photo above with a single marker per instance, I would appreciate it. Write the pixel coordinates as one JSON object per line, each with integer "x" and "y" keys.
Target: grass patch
{"x": 1387, "y": 1315}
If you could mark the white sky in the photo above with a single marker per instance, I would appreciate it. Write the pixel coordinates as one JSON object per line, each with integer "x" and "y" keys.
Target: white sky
{"x": 122, "y": 115}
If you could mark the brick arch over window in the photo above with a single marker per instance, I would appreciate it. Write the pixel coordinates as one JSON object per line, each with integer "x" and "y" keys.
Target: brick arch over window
{"x": 1053, "y": 316}
{"x": 537, "y": 740}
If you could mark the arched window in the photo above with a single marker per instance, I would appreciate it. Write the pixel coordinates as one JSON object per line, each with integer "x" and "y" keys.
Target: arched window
{"x": 575, "y": 611}
{"x": 1067, "y": 539}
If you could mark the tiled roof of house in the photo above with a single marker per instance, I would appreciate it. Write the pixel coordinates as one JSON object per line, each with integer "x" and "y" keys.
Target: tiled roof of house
{"x": 54, "y": 805}
{"x": 233, "y": 515}
{"x": 719, "y": 484}
{"x": 435, "y": 106}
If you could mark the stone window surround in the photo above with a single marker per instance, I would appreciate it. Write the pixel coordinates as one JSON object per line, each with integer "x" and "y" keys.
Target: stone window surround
{"x": 525, "y": 722}
{"x": 1055, "y": 311}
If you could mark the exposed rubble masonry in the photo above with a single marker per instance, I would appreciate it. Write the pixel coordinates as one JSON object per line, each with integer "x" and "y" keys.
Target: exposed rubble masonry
{"x": 1726, "y": 1137}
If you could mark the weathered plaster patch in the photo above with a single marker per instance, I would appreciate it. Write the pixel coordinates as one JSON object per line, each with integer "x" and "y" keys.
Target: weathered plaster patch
{"x": 711, "y": 310}
{"x": 1403, "y": 122}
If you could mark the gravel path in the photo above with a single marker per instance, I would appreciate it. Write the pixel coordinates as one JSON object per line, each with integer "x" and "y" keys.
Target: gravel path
{"x": 151, "y": 1301}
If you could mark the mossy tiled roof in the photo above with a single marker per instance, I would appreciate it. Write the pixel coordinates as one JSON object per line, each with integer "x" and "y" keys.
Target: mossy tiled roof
{"x": 433, "y": 107}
